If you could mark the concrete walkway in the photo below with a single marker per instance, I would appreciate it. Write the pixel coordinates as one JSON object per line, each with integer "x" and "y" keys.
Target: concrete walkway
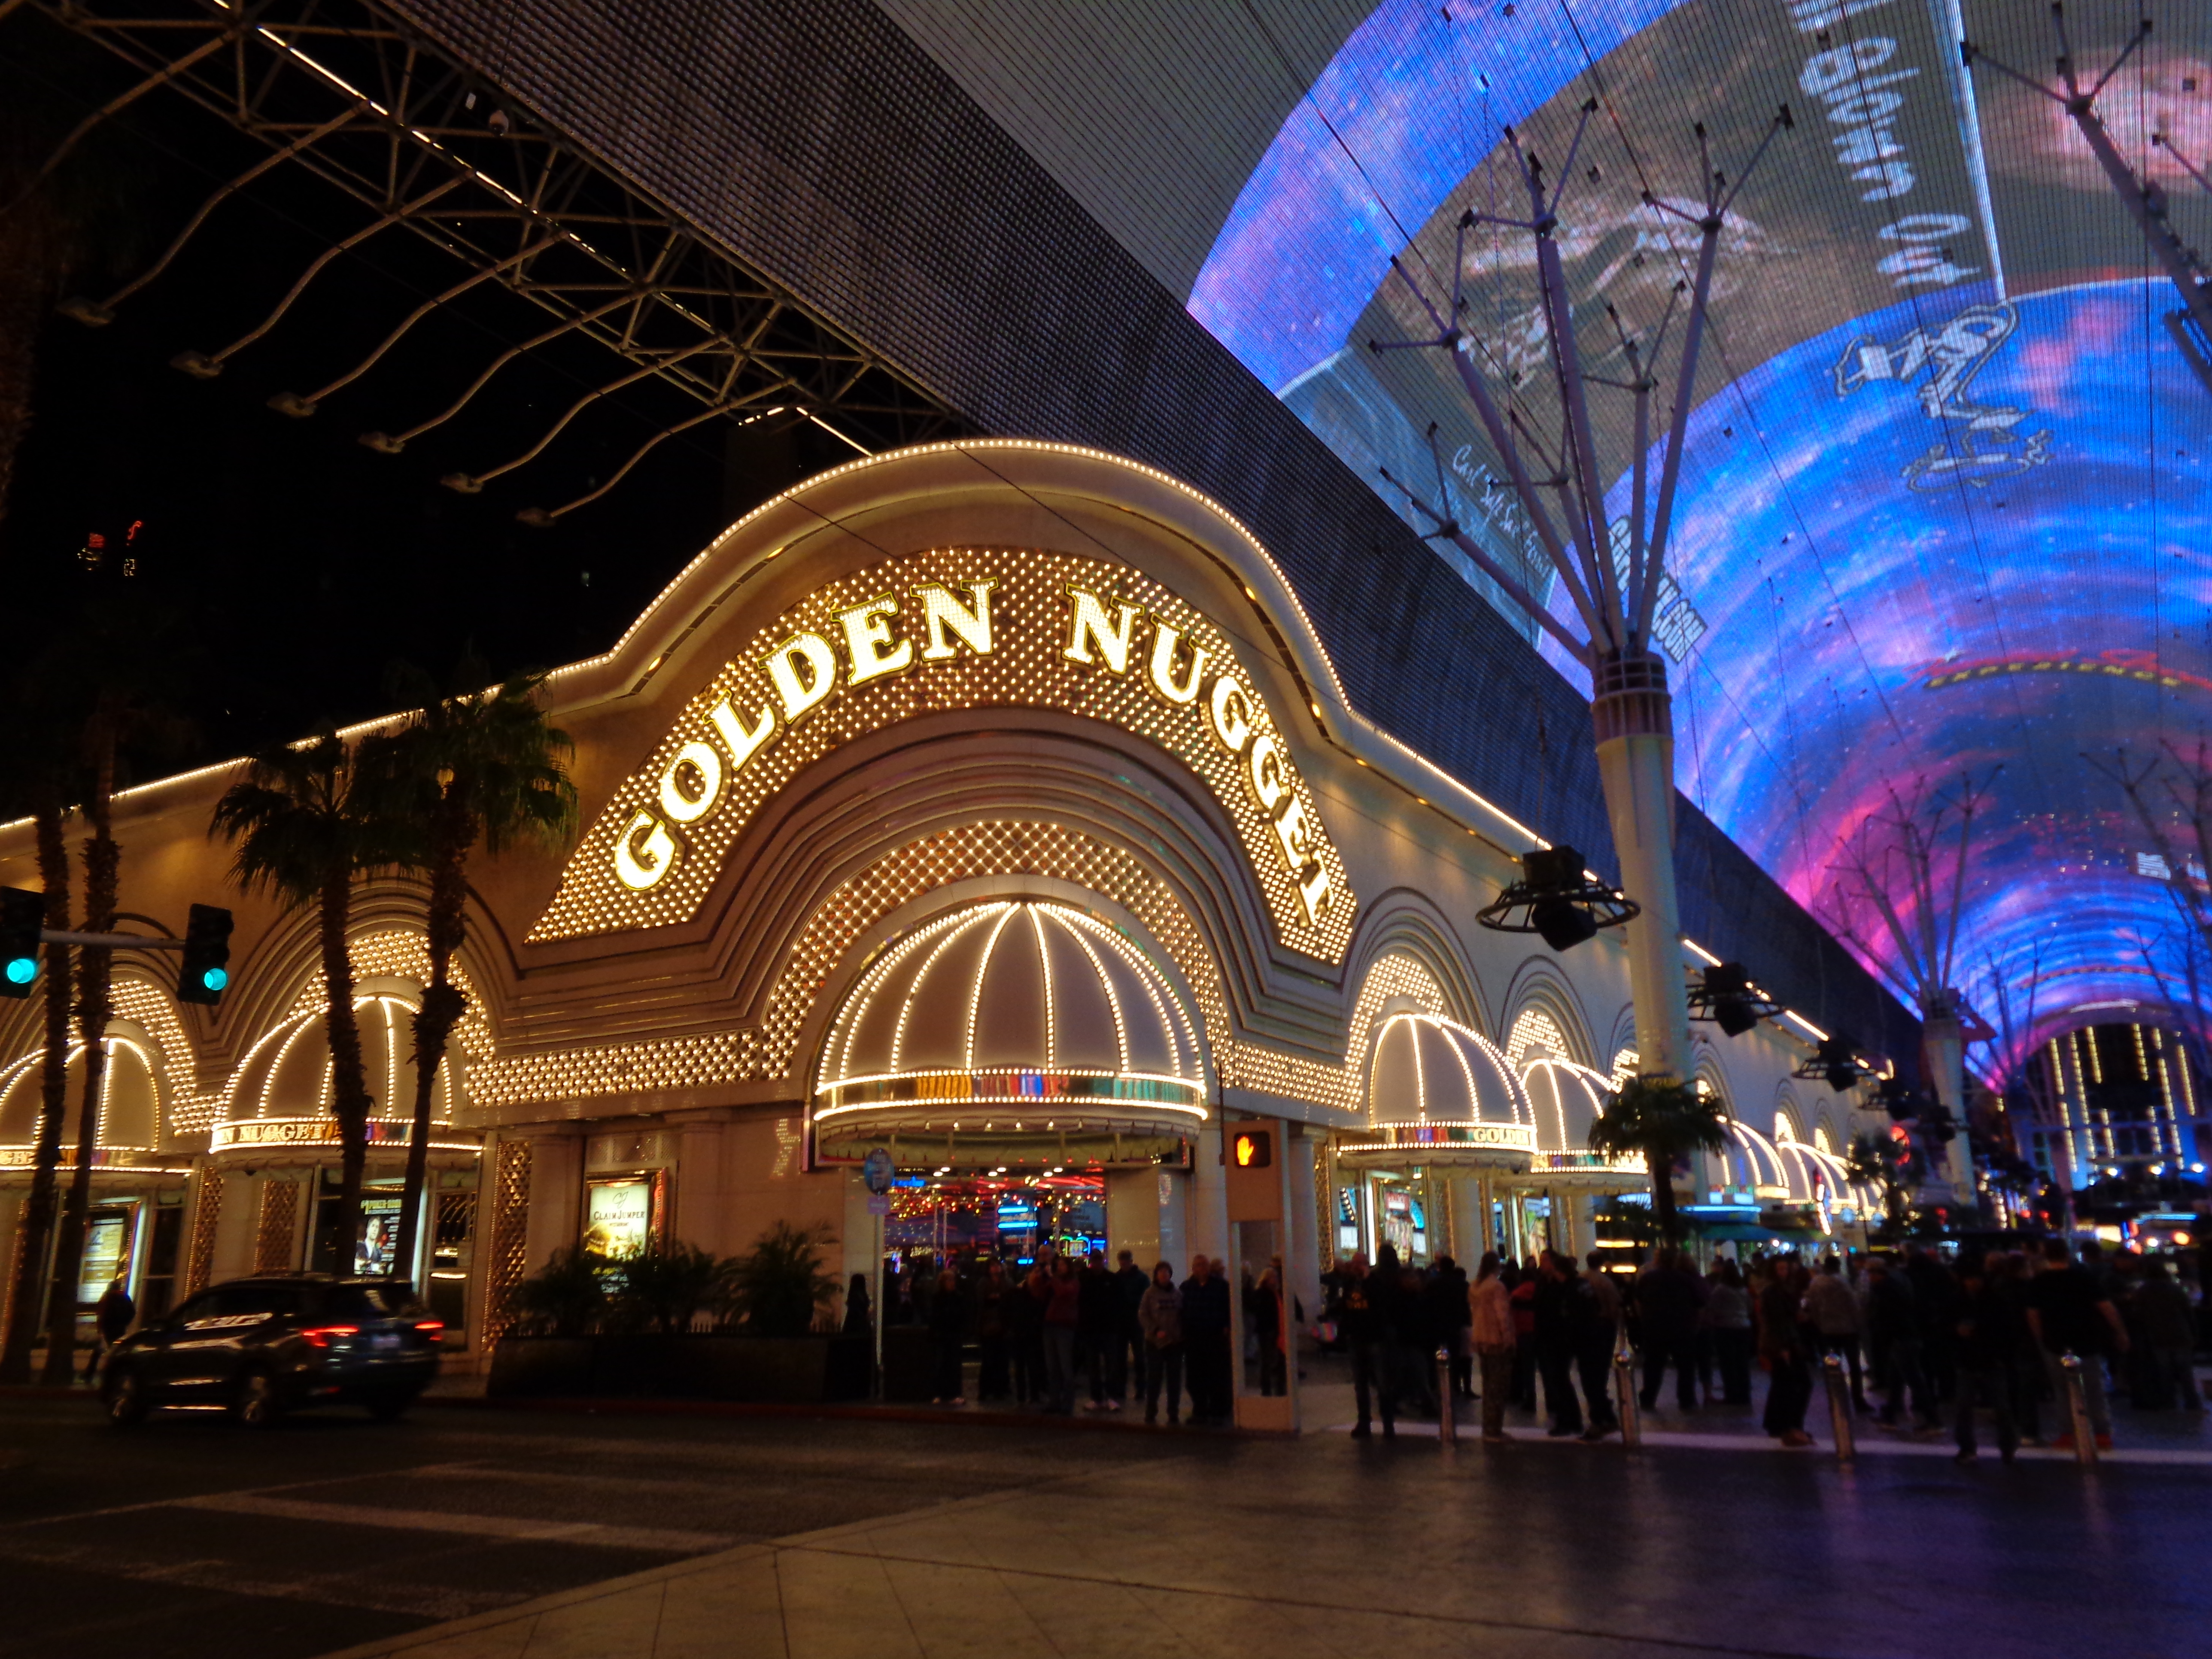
{"x": 1327, "y": 1546}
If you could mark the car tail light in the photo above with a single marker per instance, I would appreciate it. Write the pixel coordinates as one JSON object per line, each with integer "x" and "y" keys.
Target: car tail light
{"x": 319, "y": 1336}
{"x": 432, "y": 1329}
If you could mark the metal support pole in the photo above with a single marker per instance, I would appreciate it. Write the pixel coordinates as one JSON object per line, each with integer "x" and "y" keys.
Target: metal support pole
{"x": 2077, "y": 1406}
{"x": 1623, "y": 1384}
{"x": 1840, "y": 1406}
{"x": 882, "y": 1285}
{"x": 1447, "y": 1425}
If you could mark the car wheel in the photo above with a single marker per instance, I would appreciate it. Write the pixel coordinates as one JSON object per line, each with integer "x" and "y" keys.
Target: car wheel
{"x": 258, "y": 1404}
{"x": 124, "y": 1397}
{"x": 390, "y": 1407}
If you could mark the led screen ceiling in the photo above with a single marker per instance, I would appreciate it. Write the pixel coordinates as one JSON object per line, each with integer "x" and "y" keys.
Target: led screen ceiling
{"x": 1944, "y": 502}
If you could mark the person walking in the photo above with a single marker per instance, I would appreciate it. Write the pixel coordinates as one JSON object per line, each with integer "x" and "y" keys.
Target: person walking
{"x": 1728, "y": 1311}
{"x": 1490, "y": 1315}
{"x": 1985, "y": 1339}
{"x": 1062, "y": 1317}
{"x": 1594, "y": 1346}
{"x": 1160, "y": 1320}
{"x": 110, "y": 1322}
{"x": 2070, "y": 1313}
{"x": 1360, "y": 1323}
{"x": 1835, "y": 1312}
{"x": 1789, "y": 1372}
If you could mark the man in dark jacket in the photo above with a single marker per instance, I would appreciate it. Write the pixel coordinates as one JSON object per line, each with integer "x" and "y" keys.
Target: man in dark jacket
{"x": 1359, "y": 1322}
{"x": 1098, "y": 1330}
{"x": 1126, "y": 1381}
{"x": 1451, "y": 1315}
{"x": 1935, "y": 1296}
{"x": 1988, "y": 1334}
{"x": 1560, "y": 1316}
{"x": 1594, "y": 1343}
{"x": 1668, "y": 1298}
{"x": 2169, "y": 1330}
{"x": 1893, "y": 1324}
{"x": 1206, "y": 1316}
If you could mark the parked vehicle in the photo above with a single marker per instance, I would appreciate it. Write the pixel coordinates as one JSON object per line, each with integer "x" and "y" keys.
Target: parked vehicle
{"x": 274, "y": 1343}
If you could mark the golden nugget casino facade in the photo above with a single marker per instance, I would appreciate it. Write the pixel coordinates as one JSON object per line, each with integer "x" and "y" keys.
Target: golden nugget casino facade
{"x": 991, "y": 804}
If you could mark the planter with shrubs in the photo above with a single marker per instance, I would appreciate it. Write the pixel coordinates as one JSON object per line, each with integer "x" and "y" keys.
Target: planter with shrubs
{"x": 675, "y": 1321}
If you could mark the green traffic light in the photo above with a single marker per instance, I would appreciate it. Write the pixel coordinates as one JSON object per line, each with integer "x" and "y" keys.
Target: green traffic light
{"x": 215, "y": 979}
{"x": 22, "y": 970}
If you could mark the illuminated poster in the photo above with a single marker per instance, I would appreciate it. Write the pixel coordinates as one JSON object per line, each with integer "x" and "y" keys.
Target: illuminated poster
{"x": 107, "y": 1254}
{"x": 376, "y": 1249}
{"x": 619, "y": 1216}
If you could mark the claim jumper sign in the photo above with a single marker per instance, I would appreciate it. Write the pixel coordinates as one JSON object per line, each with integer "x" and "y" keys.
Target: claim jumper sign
{"x": 949, "y": 631}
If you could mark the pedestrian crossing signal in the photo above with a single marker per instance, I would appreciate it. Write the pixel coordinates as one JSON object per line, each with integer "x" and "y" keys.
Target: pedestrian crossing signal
{"x": 1253, "y": 1149}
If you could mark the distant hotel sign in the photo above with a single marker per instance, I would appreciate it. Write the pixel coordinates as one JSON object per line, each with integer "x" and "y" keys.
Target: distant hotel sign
{"x": 942, "y": 631}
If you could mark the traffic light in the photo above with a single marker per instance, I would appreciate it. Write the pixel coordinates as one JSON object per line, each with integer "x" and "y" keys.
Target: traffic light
{"x": 1252, "y": 1148}
{"x": 22, "y": 916}
{"x": 207, "y": 951}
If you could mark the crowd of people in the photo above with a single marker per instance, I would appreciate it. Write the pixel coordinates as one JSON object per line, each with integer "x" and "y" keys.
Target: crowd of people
{"x": 1922, "y": 1340}
{"x": 1066, "y": 1330}
{"x": 1995, "y": 1332}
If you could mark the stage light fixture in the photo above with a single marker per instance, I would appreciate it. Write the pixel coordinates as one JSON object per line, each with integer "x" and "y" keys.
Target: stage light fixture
{"x": 1556, "y": 900}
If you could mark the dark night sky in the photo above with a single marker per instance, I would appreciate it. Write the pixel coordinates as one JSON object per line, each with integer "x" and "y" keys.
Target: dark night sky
{"x": 308, "y": 562}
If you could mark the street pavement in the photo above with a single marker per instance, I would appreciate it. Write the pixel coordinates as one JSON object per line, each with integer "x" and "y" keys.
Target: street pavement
{"x": 472, "y": 1533}
{"x": 190, "y": 1536}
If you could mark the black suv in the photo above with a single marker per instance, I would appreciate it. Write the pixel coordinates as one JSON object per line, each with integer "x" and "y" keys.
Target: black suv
{"x": 267, "y": 1346}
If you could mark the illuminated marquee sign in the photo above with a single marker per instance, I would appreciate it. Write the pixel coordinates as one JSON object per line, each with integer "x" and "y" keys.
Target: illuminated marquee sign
{"x": 947, "y": 630}
{"x": 318, "y": 1131}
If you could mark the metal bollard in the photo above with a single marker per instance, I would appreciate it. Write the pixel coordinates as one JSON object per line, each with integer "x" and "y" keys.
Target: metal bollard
{"x": 1447, "y": 1425}
{"x": 1623, "y": 1384}
{"x": 2077, "y": 1405}
{"x": 1840, "y": 1406}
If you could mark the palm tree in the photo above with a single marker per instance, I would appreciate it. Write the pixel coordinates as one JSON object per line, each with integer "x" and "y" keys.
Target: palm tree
{"x": 1660, "y": 1118}
{"x": 122, "y": 651}
{"x": 306, "y": 824}
{"x": 473, "y": 766}
{"x": 33, "y": 760}
{"x": 1877, "y": 1160}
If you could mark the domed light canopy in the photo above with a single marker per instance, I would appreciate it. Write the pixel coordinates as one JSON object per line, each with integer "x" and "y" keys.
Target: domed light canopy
{"x": 130, "y": 1103}
{"x": 1443, "y": 1094}
{"x": 1566, "y": 1099}
{"x": 1018, "y": 1031}
{"x": 283, "y": 1093}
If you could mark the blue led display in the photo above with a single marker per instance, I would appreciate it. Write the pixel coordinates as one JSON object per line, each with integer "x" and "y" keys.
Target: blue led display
{"x": 1945, "y": 500}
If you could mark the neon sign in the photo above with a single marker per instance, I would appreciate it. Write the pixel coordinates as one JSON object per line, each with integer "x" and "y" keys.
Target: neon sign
{"x": 946, "y": 630}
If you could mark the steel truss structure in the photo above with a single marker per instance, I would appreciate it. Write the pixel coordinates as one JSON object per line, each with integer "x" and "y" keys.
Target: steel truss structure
{"x": 422, "y": 143}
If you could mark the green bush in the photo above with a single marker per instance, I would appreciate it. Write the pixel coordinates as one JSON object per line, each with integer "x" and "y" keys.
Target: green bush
{"x": 778, "y": 1287}
{"x": 666, "y": 1287}
{"x": 567, "y": 1297}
